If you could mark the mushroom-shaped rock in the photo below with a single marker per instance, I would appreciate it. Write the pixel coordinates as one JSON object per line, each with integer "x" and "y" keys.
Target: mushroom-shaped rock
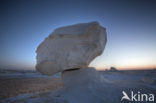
{"x": 70, "y": 47}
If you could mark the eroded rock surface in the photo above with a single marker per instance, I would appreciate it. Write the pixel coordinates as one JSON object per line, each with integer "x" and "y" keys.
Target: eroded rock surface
{"x": 70, "y": 47}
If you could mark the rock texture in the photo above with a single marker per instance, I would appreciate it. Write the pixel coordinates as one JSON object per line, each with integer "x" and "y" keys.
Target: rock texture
{"x": 70, "y": 47}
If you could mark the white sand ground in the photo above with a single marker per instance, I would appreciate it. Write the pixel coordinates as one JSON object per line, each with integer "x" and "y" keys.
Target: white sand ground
{"x": 109, "y": 91}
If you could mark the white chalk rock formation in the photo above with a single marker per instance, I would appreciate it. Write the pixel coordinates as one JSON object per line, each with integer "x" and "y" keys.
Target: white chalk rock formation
{"x": 70, "y": 47}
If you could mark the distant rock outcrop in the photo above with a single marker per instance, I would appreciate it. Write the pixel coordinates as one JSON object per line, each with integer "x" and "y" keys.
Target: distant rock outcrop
{"x": 113, "y": 69}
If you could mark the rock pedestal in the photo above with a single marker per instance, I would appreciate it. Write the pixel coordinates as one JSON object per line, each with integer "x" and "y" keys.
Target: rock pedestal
{"x": 86, "y": 85}
{"x": 80, "y": 77}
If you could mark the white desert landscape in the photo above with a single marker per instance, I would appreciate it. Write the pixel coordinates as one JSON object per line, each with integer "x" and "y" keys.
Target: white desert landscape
{"x": 63, "y": 60}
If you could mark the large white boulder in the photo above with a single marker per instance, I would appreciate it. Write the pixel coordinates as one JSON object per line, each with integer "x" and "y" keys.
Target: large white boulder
{"x": 71, "y": 47}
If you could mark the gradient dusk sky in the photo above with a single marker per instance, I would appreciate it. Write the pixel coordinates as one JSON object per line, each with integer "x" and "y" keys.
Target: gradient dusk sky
{"x": 130, "y": 24}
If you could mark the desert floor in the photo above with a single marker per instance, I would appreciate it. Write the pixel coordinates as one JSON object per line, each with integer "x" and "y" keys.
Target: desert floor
{"x": 36, "y": 88}
{"x": 16, "y": 86}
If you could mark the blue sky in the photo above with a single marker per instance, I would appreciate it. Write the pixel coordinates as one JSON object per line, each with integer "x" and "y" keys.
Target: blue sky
{"x": 130, "y": 24}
